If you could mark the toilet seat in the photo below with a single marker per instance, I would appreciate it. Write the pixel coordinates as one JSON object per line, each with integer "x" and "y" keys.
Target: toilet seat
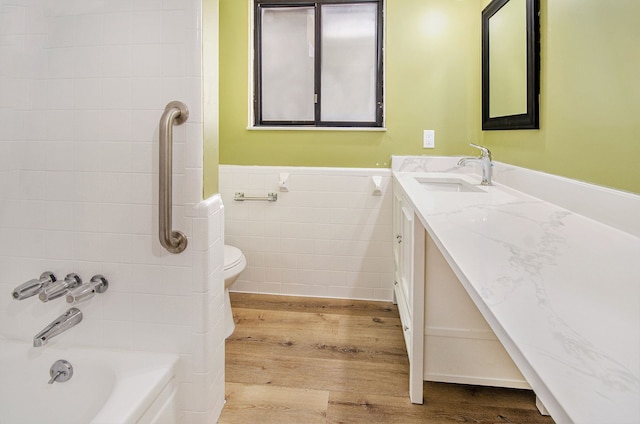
{"x": 234, "y": 264}
{"x": 232, "y": 257}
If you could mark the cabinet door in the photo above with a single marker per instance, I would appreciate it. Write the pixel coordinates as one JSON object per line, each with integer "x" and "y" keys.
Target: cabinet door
{"x": 403, "y": 252}
{"x": 406, "y": 255}
{"x": 397, "y": 236}
{"x": 402, "y": 277}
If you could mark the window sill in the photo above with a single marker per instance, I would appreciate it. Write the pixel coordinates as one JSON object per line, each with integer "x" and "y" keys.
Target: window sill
{"x": 292, "y": 128}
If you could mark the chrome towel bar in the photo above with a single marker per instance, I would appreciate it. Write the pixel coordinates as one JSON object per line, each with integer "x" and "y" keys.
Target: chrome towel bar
{"x": 240, "y": 197}
{"x": 175, "y": 113}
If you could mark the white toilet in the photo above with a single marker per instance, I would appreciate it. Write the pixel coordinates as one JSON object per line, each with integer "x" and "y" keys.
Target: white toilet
{"x": 234, "y": 264}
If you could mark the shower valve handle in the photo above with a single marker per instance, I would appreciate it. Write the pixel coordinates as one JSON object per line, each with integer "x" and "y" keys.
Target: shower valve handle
{"x": 60, "y": 288}
{"x": 33, "y": 287}
{"x": 98, "y": 284}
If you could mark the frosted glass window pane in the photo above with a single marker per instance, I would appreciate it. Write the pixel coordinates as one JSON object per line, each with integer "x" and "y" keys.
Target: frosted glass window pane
{"x": 349, "y": 65}
{"x": 287, "y": 64}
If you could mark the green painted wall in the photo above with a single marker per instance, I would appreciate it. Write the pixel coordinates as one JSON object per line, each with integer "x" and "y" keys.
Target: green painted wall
{"x": 590, "y": 96}
{"x": 590, "y": 103}
{"x": 432, "y": 69}
{"x": 210, "y": 69}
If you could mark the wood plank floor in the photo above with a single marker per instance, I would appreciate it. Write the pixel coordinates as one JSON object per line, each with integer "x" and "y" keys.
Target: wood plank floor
{"x": 309, "y": 360}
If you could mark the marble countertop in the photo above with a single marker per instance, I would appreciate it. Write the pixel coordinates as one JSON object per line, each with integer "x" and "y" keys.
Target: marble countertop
{"x": 560, "y": 290}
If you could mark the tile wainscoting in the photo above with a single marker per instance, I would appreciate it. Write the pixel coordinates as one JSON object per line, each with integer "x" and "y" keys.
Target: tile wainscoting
{"x": 328, "y": 236}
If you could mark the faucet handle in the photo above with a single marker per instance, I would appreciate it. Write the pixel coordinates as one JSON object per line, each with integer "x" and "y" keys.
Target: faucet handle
{"x": 60, "y": 287}
{"x": 98, "y": 284}
{"x": 33, "y": 287}
{"x": 485, "y": 153}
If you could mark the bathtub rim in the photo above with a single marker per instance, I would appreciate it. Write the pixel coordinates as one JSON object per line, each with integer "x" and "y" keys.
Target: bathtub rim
{"x": 140, "y": 376}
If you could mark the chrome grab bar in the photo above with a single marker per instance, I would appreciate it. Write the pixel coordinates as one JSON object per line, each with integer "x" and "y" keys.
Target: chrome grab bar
{"x": 240, "y": 197}
{"x": 175, "y": 113}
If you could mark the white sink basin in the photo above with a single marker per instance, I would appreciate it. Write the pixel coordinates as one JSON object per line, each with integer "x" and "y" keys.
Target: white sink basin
{"x": 447, "y": 184}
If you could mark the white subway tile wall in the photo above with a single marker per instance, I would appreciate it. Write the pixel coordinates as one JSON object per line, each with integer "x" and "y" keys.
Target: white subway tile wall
{"x": 328, "y": 236}
{"x": 82, "y": 88}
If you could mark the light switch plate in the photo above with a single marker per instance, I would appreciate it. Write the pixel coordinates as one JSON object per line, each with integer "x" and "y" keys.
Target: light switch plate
{"x": 429, "y": 139}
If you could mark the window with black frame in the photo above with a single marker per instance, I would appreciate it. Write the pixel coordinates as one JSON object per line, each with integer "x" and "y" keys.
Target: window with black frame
{"x": 318, "y": 64}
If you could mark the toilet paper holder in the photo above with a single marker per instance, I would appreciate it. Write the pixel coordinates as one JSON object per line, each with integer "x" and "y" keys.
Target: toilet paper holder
{"x": 377, "y": 185}
{"x": 283, "y": 181}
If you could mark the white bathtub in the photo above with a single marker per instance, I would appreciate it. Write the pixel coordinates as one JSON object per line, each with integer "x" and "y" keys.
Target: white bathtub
{"x": 107, "y": 387}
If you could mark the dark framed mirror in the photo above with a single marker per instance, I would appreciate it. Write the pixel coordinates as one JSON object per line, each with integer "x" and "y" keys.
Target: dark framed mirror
{"x": 511, "y": 65}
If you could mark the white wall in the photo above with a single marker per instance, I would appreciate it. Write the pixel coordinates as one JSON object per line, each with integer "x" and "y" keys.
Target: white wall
{"x": 82, "y": 88}
{"x": 328, "y": 236}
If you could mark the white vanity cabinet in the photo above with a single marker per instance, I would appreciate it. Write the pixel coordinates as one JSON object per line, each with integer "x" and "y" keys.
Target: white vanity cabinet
{"x": 447, "y": 338}
{"x": 408, "y": 255}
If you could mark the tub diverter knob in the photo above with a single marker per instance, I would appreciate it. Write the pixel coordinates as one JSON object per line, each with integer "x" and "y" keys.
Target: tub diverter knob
{"x": 60, "y": 371}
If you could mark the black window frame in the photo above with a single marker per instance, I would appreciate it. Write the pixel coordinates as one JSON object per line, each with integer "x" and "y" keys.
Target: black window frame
{"x": 317, "y": 122}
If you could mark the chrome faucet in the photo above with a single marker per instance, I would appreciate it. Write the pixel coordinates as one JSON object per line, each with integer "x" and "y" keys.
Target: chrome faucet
{"x": 61, "y": 324}
{"x": 485, "y": 163}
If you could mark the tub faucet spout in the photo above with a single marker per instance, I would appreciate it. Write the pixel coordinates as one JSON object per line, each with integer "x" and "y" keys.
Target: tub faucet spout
{"x": 484, "y": 160}
{"x": 61, "y": 324}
